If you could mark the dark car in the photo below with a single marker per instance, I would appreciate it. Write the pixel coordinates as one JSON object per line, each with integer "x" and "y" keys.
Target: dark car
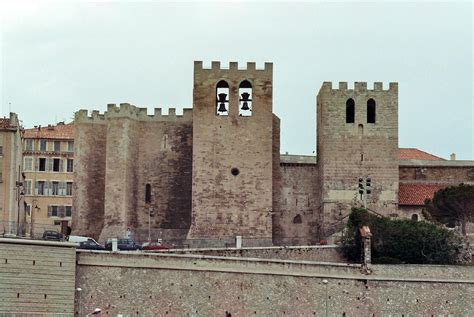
{"x": 52, "y": 235}
{"x": 124, "y": 245}
{"x": 155, "y": 246}
{"x": 90, "y": 245}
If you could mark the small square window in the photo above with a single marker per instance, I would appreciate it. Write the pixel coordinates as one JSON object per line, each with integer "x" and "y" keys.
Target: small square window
{"x": 70, "y": 146}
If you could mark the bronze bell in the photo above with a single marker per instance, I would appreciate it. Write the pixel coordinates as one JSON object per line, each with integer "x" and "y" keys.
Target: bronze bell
{"x": 245, "y": 99}
{"x": 222, "y": 108}
{"x": 222, "y": 100}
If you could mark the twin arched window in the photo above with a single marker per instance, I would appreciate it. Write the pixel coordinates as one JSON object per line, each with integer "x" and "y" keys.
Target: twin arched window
{"x": 350, "y": 111}
{"x": 245, "y": 98}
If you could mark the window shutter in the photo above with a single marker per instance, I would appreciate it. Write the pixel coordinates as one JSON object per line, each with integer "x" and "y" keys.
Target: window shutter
{"x": 47, "y": 188}
{"x": 50, "y": 211}
{"x": 62, "y": 188}
{"x": 37, "y": 164}
{"x": 61, "y": 165}
{"x": 61, "y": 211}
{"x": 50, "y": 164}
{"x": 36, "y": 187}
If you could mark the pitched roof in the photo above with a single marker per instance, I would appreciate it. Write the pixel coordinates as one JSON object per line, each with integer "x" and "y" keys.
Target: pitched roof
{"x": 60, "y": 131}
{"x": 415, "y": 194}
{"x": 416, "y": 154}
{"x": 4, "y": 123}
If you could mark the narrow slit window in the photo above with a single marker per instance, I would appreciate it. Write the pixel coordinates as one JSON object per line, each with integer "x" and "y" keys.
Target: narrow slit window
{"x": 245, "y": 99}
{"x": 147, "y": 193}
{"x": 222, "y": 98}
{"x": 350, "y": 110}
{"x": 371, "y": 111}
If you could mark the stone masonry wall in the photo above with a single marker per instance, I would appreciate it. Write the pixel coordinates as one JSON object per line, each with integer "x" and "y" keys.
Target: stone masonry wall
{"x": 89, "y": 174}
{"x": 165, "y": 162}
{"x": 347, "y": 151}
{"x": 225, "y": 205}
{"x": 320, "y": 253}
{"x": 121, "y": 173}
{"x": 296, "y": 221}
{"x": 433, "y": 174}
{"x": 184, "y": 285}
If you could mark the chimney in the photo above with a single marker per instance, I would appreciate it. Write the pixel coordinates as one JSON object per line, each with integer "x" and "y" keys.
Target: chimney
{"x": 453, "y": 157}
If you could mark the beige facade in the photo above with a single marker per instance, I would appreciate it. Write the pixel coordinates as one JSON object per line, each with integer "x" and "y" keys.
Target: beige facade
{"x": 11, "y": 198}
{"x": 48, "y": 165}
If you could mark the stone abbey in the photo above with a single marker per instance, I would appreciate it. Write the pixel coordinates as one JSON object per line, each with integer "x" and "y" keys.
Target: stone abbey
{"x": 215, "y": 172}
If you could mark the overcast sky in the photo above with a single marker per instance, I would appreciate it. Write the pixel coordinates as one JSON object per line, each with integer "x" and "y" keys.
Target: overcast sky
{"x": 58, "y": 57}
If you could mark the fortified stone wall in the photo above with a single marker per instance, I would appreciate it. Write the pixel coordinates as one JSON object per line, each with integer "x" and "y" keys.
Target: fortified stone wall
{"x": 348, "y": 151}
{"x": 226, "y": 203}
{"x": 297, "y": 220}
{"x": 120, "y": 152}
{"x": 89, "y": 173}
{"x": 180, "y": 285}
{"x": 165, "y": 162}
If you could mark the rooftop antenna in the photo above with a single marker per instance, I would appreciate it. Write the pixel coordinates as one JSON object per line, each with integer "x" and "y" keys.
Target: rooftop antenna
{"x": 9, "y": 108}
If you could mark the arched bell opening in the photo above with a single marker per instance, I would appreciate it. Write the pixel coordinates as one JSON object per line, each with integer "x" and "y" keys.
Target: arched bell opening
{"x": 222, "y": 98}
{"x": 371, "y": 114}
{"x": 245, "y": 99}
{"x": 350, "y": 110}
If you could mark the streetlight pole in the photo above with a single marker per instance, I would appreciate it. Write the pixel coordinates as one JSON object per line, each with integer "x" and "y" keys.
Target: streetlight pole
{"x": 325, "y": 282}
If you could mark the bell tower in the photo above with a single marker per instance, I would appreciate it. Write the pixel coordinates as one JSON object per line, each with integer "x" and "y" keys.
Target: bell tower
{"x": 232, "y": 154}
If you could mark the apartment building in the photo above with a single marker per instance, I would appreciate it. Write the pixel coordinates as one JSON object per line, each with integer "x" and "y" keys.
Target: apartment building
{"x": 48, "y": 165}
{"x": 12, "y": 216}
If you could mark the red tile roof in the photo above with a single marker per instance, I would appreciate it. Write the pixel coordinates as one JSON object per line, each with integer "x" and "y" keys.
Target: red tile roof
{"x": 415, "y": 154}
{"x": 415, "y": 194}
{"x": 60, "y": 131}
{"x": 4, "y": 123}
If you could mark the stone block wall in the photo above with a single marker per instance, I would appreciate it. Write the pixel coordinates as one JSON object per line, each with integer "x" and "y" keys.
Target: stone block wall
{"x": 296, "y": 222}
{"x": 319, "y": 253}
{"x": 89, "y": 173}
{"x": 224, "y": 204}
{"x": 37, "y": 278}
{"x": 348, "y": 151}
{"x": 180, "y": 285}
{"x": 437, "y": 174}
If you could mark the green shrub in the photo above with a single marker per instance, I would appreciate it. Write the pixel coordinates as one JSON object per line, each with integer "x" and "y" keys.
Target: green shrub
{"x": 401, "y": 241}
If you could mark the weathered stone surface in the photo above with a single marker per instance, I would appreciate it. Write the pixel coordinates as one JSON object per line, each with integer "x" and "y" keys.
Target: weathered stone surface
{"x": 158, "y": 285}
{"x": 348, "y": 151}
{"x": 223, "y": 204}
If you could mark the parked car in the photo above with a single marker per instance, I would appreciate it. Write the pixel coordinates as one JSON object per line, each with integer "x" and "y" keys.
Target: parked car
{"x": 124, "y": 245}
{"x": 53, "y": 235}
{"x": 154, "y": 246}
{"x": 90, "y": 244}
{"x": 79, "y": 239}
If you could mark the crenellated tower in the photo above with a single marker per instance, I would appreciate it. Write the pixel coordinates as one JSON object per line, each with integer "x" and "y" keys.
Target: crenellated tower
{"x": 357, "y": 138}
{"x": 232, "y": 153}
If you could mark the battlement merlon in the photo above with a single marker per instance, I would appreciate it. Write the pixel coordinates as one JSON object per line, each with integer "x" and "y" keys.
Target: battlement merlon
{"x": 233, "y": 66}
{"x": 82, "y": 116}
{"x": 125, "y": 110}
{"x": 327, "y": 86}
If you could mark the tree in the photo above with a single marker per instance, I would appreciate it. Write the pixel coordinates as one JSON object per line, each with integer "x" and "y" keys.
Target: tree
{"x": 402, "y": 241}
{"x": 452, "y": 206}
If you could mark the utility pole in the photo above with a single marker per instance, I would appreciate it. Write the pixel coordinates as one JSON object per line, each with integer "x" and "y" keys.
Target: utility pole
{"x": 150, "y": 214}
